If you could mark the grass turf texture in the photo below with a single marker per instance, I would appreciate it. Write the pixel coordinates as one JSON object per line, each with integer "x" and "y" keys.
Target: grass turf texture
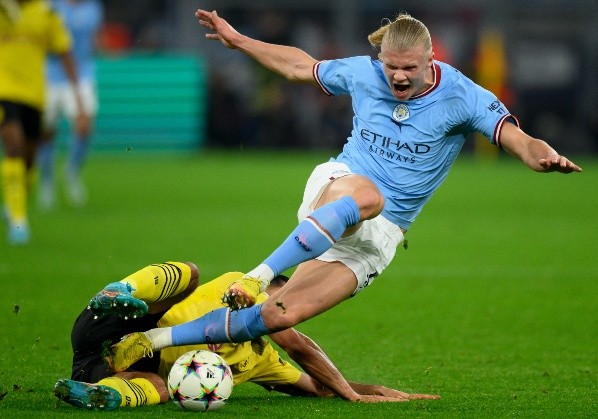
{"x": 493, "y": 306}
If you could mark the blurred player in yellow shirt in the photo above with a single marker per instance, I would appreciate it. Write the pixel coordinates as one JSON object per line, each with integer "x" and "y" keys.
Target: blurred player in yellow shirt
{"x": 29, "y": 31}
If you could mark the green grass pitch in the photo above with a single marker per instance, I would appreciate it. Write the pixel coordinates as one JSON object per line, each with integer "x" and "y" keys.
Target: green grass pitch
{"x": 494, "y": 305}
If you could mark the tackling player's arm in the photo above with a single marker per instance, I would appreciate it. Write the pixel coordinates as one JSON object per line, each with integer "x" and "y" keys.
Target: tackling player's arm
{"x": 309, "y": 386}
{"x": 323, "y": 379}
{"x": 306, "y": 386}
{"x": 535, "y": 153}
{"x": 290, "y": 62}
{"x": 316, "y": 364}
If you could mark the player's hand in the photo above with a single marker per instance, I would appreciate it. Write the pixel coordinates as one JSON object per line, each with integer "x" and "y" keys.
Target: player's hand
{"x": 559, "y": 164}
{"x": 403, "y": 397}
{"x": 83, "y": 125}
{"x": 371, "y": 398}
{"x": 223, "y": 31}
{"x": 390, "y": 392}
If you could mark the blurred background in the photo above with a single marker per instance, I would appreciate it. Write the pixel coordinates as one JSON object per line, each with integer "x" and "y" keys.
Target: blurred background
{"x": 162, "y": 84}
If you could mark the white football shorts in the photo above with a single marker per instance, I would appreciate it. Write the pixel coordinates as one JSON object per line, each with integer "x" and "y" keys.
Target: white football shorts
{"x": 60, "y": 101}
{"x": 370, "y": 249}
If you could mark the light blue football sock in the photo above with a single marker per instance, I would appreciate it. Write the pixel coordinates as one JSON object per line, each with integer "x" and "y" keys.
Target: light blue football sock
{"x": 77, "y": 154}
{"x": 222, "y": 325}
{"x": 315, "y": 234}
{"x": 45, "y": 161}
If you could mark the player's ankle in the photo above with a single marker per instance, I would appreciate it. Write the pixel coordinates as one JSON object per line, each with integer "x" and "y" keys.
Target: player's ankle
{"x": 263, "y": 273}
{"x": 160, "y": 338}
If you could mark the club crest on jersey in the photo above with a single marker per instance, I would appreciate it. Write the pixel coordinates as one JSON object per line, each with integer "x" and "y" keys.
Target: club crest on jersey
{"x": 400, "y": 113}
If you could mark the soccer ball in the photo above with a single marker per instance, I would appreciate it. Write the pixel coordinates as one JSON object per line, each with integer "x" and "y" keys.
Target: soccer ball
{"x": 200, "y": 381}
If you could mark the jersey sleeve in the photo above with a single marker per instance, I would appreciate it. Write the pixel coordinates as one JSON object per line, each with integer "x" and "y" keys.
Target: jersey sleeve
{"x": 487, "y": 114}
{"x": 59, "y": 37}
{"x": 336, "y": 77}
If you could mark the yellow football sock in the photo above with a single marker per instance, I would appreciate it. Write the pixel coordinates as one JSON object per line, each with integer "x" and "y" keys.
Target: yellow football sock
{"x": 31, "y": 180}
{"x": 134, "y": 392}
{"x": 157, "y": 282}
{"x": 14, "y": 186}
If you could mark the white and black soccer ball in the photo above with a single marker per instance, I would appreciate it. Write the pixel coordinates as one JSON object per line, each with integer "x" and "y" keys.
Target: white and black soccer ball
{"x": 200, "y": 381}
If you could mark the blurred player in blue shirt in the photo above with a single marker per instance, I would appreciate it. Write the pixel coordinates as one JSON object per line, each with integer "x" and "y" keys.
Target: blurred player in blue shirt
{"x": 411, "y": 117}
{"x": 83, "y": 18}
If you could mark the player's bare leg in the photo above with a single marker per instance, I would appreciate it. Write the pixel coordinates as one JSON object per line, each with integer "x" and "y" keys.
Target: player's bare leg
{"x": 343, "y": 204}
{"x": 314, "y": 287}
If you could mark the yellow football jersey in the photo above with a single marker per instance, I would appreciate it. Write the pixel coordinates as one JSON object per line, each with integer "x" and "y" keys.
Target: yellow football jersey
{"x": 27, "y": 35}
{"x": 255, "y": 361}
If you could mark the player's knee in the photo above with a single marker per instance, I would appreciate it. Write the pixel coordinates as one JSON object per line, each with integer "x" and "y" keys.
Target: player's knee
{"x": 194, "y": 280}
{"x": 366, "y": 194}
{"x": 370, "y": 202}
{"x": 277, "y": 316}
{"x": 154, "y": 379}
{"x": 160, "y": 387}
{"x": 194, "y": 269}
{"x": 13, "y": 139}
{"x": 163, "y": 393}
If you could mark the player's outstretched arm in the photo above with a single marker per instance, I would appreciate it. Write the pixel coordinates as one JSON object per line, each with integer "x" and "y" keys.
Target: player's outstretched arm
{"x": 535, "y": 153}
{"x": 316, "y": 364}
{"x": 323, "y": 379}
{"x": 290, "y": 62}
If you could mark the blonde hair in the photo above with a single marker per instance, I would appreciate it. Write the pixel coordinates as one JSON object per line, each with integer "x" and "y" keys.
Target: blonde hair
{"x": 405, "y": 32}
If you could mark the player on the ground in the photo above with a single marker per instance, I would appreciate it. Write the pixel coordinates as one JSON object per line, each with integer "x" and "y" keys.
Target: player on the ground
{"x": 412, "y": 116}
{"x": 29, "y": 30}
{"x": 83, "y": 18}
{"x": 147, "y": 298}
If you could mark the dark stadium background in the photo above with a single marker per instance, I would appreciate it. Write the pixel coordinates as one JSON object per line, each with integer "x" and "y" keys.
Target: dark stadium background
{"x": 549, "y": 50}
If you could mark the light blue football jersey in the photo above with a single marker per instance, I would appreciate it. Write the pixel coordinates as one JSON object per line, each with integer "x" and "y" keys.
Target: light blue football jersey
{"x": 407, "y": 147}
{"x": 83, "y": 20}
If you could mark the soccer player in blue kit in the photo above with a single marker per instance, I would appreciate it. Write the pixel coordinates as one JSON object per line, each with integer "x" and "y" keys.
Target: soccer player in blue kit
{"x": 83, "y": 19}
{"x": 411, "y": 117}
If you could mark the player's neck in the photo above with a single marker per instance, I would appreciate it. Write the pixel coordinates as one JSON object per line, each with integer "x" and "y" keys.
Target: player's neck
{"x": 429, "y": 81}
{"x": 430, "y": 77}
